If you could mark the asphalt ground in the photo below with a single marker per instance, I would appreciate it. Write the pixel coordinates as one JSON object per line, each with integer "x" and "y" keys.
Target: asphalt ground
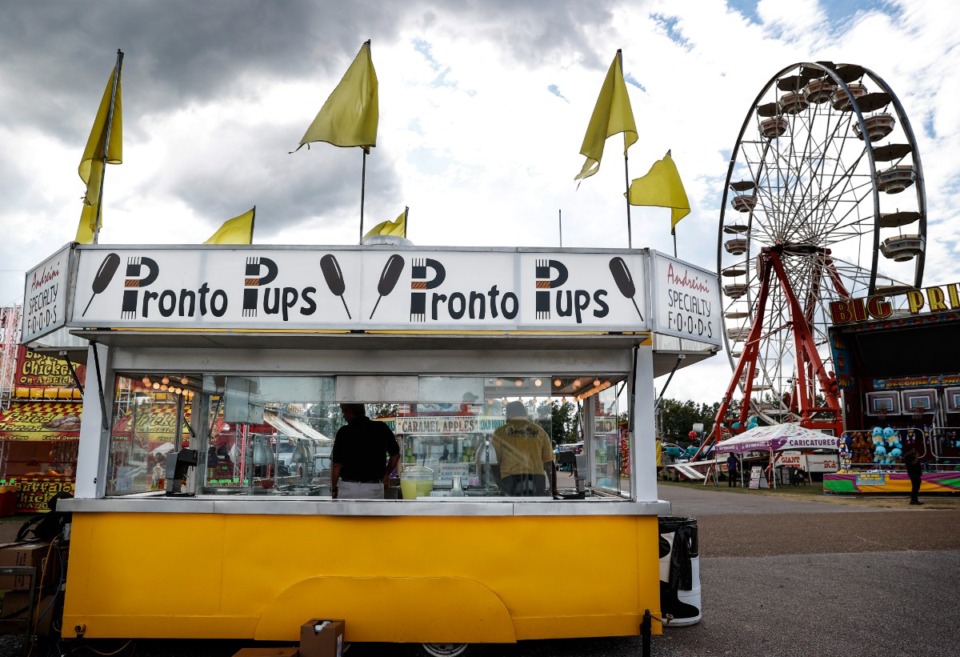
{"x": 782, "y": 575}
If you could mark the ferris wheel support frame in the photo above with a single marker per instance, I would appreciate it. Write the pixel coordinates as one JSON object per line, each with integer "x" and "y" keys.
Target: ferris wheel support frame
{"x": 771, "y": 265}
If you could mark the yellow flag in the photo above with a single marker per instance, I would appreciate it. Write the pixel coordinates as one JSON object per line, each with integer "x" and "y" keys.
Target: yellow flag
{"x": 238, "y": 230}
{"x": 397, "y": 228}
{"x": 91, "y": 164}
{"x": 352, "y": 112}
{"x": 612, "y": 115}
{"x": 663, "y": 188}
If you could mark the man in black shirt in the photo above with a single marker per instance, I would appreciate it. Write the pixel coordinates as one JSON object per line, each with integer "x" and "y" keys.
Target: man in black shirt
{"x": 364, "y": 454}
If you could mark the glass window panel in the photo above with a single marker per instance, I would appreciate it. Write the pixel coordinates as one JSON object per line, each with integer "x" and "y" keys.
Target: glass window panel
{"x": 143, "y": 434}
{"x": 273, "y": 435}
{"x": 610, "y": 442}
{"x": 247, "y": 396}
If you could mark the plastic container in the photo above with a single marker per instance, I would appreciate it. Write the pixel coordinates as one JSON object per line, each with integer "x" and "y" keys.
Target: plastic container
{"x": 416, "y": 481}
{"x": 679, "y": 571}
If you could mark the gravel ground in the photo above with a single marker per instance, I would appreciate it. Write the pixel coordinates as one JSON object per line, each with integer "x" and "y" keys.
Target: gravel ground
{"x": 782, "y": 575}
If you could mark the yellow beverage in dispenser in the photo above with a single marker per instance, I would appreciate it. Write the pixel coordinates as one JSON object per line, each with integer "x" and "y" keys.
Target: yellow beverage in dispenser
{"x": 416, "y": 481}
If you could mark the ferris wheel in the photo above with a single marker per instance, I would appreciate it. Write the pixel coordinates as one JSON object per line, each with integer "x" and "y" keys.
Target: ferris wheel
{"x": 824, "y": 200}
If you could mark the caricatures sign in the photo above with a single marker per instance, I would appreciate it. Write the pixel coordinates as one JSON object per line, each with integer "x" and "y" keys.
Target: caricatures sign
{"x": 45, "y": 296}
{"x": 686, "y": 301}
{"x": 397, "y": 288}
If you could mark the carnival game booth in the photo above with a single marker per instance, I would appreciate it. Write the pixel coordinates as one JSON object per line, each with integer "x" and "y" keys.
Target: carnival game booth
{"x": 781, "y": 442}
{"x": 39, "y": 430}
{"x": 899, "y": 373}
{"x": 439, "y": 339}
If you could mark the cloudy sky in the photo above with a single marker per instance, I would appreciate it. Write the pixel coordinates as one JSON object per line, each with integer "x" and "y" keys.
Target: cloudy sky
{"x": 483, "y": 107}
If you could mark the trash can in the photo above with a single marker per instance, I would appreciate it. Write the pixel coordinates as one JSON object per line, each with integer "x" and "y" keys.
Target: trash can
{"x": 679, "y": 571}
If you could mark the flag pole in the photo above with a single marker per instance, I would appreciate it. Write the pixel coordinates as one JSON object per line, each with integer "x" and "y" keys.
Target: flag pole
{"x": 406, "y": 220}
{"x": 106, "y": 143}
{"x": 363, "y": 184}
{"x": 673, "y": 227}
{"x": 626, "y": 168}
{"x": 253, "y": 220}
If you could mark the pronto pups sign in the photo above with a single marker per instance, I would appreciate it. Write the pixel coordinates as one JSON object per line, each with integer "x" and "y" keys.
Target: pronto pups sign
{"x": 396, "y": 288}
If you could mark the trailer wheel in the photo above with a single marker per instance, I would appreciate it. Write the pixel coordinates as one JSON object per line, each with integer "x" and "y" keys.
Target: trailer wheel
{"x": 447, "y": 649}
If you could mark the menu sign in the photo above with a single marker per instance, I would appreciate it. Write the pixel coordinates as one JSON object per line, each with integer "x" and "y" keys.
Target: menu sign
{"x": 45, "y": 296}
{"x": 37, "y": 370}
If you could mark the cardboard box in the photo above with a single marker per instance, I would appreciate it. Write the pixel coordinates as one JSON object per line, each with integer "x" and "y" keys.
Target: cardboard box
{"x": 266, "y": 652}
{"x": 17, "y": 605}
{"x": 321, "y": 638}
{"x": 31, "y": 555}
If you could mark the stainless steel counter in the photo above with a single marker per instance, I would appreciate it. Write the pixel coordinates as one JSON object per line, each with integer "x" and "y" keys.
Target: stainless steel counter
{"x": 432, "y": 506}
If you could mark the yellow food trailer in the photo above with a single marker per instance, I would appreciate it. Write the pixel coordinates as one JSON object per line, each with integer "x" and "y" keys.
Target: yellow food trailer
{"x": 227, "y": 528}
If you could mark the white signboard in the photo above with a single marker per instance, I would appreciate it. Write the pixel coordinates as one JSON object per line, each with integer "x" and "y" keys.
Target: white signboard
{"x": 792, "y": 460}
{"x": 823, "y": 463}
{"x": 353, "y": 288}
{"x": 686, "y": 301}
{"x": 447, "y": 425}
{"x": 45, "y": 296}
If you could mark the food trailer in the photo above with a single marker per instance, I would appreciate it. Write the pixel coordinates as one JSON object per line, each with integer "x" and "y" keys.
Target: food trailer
{"x": 242, "y": 539}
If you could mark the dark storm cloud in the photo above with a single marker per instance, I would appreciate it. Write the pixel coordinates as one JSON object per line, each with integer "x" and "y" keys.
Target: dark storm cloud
{"x": 184, "y": 53}
{"x": 176, "y": 52}
{"x": 533, "y": 32}
{"x": 319, "y": 182}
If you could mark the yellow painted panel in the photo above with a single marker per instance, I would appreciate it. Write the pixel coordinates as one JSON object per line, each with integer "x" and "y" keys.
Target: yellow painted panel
{"x": 260, "y": 577}
{"x": 406, "y": 608}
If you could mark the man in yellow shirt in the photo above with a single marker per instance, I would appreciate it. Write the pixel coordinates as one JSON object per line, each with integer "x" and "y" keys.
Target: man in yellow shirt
{"x": 525, "y": 455}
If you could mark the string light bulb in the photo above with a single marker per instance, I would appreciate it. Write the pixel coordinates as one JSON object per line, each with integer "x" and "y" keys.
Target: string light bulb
{"x": 165, "y": 380}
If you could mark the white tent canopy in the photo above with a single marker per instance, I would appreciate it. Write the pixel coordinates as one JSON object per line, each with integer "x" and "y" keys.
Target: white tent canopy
{"x": 776, "y": 438}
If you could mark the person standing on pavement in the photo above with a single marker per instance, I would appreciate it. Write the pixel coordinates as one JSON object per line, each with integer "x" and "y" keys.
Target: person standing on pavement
{"x": 733, "y": 466}
{"x": 364, "y": 454}
{"x": 915, "y": 471}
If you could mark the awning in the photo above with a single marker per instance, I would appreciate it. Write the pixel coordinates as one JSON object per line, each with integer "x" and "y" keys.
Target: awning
{"x": 309, "y": 431}
{"x": 41, "y": 421}
{"x": 277, "y": 423}
{"x": 778, "y": 437}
